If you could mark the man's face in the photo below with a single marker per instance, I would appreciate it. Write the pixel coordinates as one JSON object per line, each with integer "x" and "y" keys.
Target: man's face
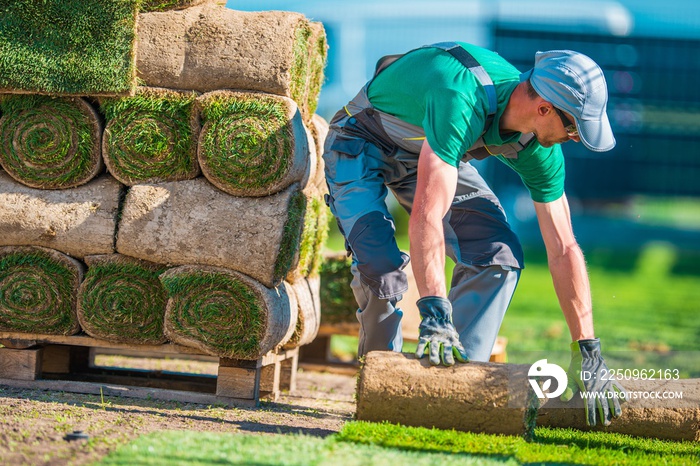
{"x": 553, "y": 130}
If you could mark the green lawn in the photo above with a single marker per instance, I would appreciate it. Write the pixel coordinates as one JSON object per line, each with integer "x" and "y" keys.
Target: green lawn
{"x": 362, "y": 443}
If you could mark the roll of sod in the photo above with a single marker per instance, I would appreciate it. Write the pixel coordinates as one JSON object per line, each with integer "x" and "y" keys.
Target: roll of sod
{"x": 192, "y": 222}
{"x": 226, "y": 314}
{"x": 50, "y": 143}
{"x": 319, "y": 130}
{"x": 38, "y": 289}
{"x": 68, "y": 47}
{"x": 166, "y": 5}
{"x": 309, "y": 313}
{"x": 79, "y": 221}
{"x": 251, "y": 143}
{"x": 663, "y": 409}
{"x": 211, "y": 47}
{"x": 152, "y": 136}
{"x": 122, "y": 300}
{"x": 474, "y": 397}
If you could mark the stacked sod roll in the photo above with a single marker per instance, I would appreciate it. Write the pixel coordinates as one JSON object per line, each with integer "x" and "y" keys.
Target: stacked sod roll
{"x": 186, "y": 209}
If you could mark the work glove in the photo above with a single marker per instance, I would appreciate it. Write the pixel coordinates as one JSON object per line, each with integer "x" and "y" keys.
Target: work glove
{"x": 437, "y": 332}
{"x": 589, "y": 373}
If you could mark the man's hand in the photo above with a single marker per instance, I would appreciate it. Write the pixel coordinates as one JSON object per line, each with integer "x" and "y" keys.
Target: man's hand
{"x": 589, "y": 373}
{"x": 437, "y": 332}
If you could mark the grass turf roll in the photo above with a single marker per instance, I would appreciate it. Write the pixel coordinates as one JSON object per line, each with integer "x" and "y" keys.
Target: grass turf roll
{"x": 50, "y": 143}
{"x": 79, "y": 221}
{"x": 38, "y": 289}
{"x": 226, "y": 314}
{"x": 210, "y": 47}
{"x": 193, "y": 222}
{"x": 151, "y": 137}
{"x": 122, "y": 300}
{"x": 251, "y": 143}
{"x": 68, "y": 47}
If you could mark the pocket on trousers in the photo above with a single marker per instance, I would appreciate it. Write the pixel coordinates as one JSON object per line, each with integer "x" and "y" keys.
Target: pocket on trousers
{"x": 343, "y": 161}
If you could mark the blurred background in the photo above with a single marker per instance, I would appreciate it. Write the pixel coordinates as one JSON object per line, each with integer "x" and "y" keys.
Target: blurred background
{"x": 636, "y": 209}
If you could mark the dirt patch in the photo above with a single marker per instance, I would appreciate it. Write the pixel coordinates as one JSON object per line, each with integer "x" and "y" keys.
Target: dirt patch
{"x": 33, "y": 423}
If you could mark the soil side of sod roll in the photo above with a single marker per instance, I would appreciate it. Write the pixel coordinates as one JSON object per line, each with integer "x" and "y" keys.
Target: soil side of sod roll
{"x": 193, "y": 222}
{"x": 210, "y": 47}
{"x": 79, "y": 221}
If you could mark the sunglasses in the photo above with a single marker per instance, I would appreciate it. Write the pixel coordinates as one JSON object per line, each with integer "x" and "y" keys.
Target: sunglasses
{"x": 569, "y": 127}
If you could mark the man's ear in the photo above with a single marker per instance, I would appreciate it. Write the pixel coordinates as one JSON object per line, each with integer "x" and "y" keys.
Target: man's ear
{"x": 544, "y": 108}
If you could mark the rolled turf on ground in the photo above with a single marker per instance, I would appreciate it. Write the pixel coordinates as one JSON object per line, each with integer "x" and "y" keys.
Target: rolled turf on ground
{"x": 252, "y": 143}
{"x": 68, "y": 47}
{"x": 38, "y": 289}
{"x": 193, "y": 222}
{"x": 122, "y": 300}
{"x": 152, "y": 136}
{"x": 226, "y": 314}
{"x": 79, "y": 221}
{"x": 50, "y": 143}
{"x": 211, "y": 47}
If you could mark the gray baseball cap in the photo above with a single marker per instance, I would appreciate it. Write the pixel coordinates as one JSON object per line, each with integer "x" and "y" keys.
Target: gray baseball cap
{"x": 574, "y": 83}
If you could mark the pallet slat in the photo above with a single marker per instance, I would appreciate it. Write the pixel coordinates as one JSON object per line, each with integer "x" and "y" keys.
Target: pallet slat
{"x": 66, "y": 363}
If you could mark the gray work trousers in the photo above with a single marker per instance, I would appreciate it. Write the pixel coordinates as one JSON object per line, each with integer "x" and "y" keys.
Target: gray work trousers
{"x": 487, "y": 254}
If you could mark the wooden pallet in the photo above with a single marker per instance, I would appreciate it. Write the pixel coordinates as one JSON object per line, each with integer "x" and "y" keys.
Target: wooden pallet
{"x": 66, "y": 363}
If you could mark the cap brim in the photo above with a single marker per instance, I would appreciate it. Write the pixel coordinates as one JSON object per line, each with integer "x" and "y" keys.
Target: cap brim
{"x": 596, "y": 135}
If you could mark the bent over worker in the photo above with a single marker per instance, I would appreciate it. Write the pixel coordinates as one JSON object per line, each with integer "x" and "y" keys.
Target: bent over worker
{"x": 413, "y": 128}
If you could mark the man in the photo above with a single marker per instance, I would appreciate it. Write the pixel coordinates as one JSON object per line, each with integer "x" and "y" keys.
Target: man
{"x": 412, "y": 129}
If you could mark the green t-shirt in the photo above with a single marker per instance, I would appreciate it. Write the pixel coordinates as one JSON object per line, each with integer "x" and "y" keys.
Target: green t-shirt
{"x": 430, "y": 88}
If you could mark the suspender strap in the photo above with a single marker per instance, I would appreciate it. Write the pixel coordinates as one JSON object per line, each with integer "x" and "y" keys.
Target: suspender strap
{"x": 469, "y": 62}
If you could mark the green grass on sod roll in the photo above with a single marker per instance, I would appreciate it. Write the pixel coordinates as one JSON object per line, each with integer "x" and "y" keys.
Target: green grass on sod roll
{"x": 317, "y": 65}
{"x": 216, "y": 309}
{"x": 151, "y": 137}
{"x": 165, "y": 5}
{"x": 308, "y": 238}
{"x": 37, "y": 291}
{"x": 323, "y": 217}
{"x": 48, "y": 142}
{"x": 246, "y": 140}
{"x": 300, "y": 66}
{"x": 123, "y": 300}
{"x": 291, "y": 236}
{"x": 68, "y": 47}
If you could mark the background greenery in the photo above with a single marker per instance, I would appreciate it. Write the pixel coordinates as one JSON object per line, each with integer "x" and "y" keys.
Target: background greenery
{"x": 646, "y": 294}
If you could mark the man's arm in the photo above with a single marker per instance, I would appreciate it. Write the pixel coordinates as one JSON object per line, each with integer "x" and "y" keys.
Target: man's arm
{"x": 436, "y": 186}
{"x": 567, "y": 266}
{"x": 435, "y": 189}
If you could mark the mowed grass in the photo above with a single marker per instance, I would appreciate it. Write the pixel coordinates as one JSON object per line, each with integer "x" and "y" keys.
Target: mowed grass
{"x": 362, "y": 443}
